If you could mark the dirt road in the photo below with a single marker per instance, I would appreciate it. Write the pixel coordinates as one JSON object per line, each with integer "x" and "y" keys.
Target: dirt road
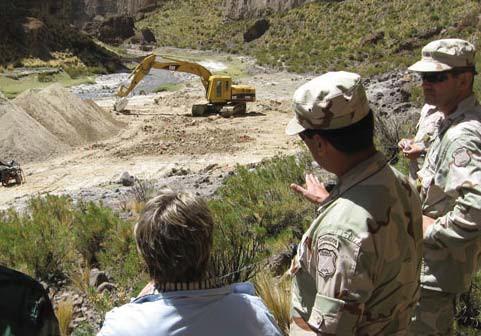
{"x": 161, "y": 135}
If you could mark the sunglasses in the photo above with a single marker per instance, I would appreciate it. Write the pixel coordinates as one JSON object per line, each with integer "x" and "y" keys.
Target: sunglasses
{"x": 438, "y": 77}
{"x": 307, "y": 134}
{"x": 434, "y": 77}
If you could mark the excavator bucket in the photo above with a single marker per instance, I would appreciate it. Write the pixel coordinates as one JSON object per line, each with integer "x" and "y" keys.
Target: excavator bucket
{"x": 120, "y": 104}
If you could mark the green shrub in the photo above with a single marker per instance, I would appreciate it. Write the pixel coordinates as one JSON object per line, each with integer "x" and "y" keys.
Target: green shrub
{"x": 45, "y": 77}
{"x": 75, "y": 71}
{"x": 93, "y": 224}
{"x": 253, "y": 206}
{"x": 40, "y": 241}
{"x": 120, "y": 257}
{"x": 53, "y": 237}
{"x": 97, "y": 70}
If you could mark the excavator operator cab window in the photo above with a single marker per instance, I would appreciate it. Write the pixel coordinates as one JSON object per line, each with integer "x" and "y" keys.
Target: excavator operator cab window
{"x": 218, "y": 88}
{"x": 226, "y": 86}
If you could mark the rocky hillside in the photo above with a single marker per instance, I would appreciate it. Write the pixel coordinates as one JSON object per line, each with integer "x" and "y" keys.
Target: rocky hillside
{"x": 316, "y": 36}
{"x": 237, "y": 9}
{"x": 77, "y": 11}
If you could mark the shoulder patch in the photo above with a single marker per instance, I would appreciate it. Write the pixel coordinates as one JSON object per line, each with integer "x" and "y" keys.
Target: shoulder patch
{"x": 461, "y": 157}
{"x": 327, "y": 254}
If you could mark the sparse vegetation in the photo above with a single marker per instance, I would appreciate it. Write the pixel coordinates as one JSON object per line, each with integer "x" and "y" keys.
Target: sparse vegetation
{"x": 321, "y": 36}
{"x": 64, "y": 313}
{"x": 256, "y": 213}
{"x": 276, "y": 294}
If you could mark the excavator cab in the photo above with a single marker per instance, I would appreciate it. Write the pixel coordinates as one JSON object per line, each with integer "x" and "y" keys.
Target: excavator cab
{"x": 219, "y": 89}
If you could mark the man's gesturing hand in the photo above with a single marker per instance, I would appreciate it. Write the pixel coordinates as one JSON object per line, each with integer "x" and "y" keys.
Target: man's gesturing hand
{"x": 314, "y": 191}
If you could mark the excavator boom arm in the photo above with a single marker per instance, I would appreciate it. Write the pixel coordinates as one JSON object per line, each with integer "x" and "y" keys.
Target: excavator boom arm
{"x": 143, "y": 68}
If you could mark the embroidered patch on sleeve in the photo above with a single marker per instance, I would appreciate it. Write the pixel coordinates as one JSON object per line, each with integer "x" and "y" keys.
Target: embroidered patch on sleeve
{"x": 327, "y": 255}
{"x": 461, "y": 157}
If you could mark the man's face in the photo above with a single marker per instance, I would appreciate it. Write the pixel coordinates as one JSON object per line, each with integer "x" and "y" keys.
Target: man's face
{"x": 313, "y": 144}
{"x": 441, "y": 89}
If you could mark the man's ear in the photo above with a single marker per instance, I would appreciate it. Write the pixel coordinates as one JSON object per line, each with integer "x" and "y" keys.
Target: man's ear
{"x": 465, "y": 80}
{"x": 321, "y": 143}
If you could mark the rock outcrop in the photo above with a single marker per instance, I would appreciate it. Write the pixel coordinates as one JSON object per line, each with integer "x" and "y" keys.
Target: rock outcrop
{"x": 256, "y": 30}
{"x": 241, "y": 9}
{"x": 116, "y": 29}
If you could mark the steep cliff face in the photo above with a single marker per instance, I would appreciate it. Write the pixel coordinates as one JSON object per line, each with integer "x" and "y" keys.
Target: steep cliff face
{"x": 116, "y": 7}
{"x": 75, "y": 11}
{"x": 241, "y": 9}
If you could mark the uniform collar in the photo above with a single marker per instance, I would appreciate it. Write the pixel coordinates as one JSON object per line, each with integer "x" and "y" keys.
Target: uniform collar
{"x": 465, "y": 105}
{"x": 356, "y": 175}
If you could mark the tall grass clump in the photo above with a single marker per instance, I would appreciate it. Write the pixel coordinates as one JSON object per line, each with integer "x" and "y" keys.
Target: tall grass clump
{"x": 64, "y": 313}
{"x": 388, "y": 132}
{"x": 276, "y": 294}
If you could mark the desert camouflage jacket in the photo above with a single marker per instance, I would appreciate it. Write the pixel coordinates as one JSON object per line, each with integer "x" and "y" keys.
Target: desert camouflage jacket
{"x": 357, "y": 267}
{"x": 427, "y": 131}
{"x": 451, "y": 193}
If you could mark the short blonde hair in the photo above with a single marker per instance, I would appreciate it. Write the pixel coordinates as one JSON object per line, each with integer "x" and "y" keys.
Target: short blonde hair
{"x": 174, "y": 237}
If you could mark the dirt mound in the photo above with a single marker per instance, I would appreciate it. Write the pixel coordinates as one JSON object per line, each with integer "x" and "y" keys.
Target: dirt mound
{"x": 183, "y": 135}
{"x": 23, "y": 138}
{"x": 72, "y": 120}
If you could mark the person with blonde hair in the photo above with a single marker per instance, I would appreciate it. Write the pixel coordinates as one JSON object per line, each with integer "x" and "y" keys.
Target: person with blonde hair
{"x": 174, "y": 237}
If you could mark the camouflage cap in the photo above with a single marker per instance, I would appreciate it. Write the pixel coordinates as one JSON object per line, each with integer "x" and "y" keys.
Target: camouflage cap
{"x": 446, "y": 54}
{"x": 332, "y": 100}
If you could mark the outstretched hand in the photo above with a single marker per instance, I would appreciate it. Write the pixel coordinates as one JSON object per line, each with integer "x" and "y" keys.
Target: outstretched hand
{"x": 314, "y": 191}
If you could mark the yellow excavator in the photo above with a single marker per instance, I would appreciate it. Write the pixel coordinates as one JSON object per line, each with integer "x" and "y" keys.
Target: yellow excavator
{"x": 222, "y": 96}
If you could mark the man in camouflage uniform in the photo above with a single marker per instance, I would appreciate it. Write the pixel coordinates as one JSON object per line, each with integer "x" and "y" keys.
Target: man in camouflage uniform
{"x": 450, "y": 181}
{"x": 427, "y": 129}
{"x": 357, "y": 267}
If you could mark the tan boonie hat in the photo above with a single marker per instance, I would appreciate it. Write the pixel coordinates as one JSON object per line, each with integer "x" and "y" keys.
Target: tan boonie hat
{"x": 330, "y": 101}
{"x": 442, "y": 55}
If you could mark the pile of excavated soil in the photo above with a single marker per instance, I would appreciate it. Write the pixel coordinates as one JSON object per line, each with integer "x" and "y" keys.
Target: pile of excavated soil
{"x": 72, "y": 120}
{"x": 40, "y": 124}
{"x": 23, "y": 138}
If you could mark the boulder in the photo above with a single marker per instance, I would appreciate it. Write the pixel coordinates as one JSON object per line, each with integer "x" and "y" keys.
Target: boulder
{"x": 147, "y": 36}
{"x": 256, "y": 30}
{"x": 116, "y": 29}
{"x": 127, "y": 180}
{"x": 97, "y": 277}
{"x": 106, "y": 286}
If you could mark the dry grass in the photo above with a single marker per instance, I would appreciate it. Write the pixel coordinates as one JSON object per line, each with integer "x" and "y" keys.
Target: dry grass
{"x": 80, "y": 278}
{"x": 277, "y": 297}
{"x": 64, "y": 313}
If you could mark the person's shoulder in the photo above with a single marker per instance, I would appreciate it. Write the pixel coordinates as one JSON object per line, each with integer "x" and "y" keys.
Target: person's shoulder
{"x": 466, "y": 134}
{"x": 129, "y": 318}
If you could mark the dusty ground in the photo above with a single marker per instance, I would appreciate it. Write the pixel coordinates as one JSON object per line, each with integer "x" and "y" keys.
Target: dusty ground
{"x": 164, "y": 143}
{"x": 161, "y": 136}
